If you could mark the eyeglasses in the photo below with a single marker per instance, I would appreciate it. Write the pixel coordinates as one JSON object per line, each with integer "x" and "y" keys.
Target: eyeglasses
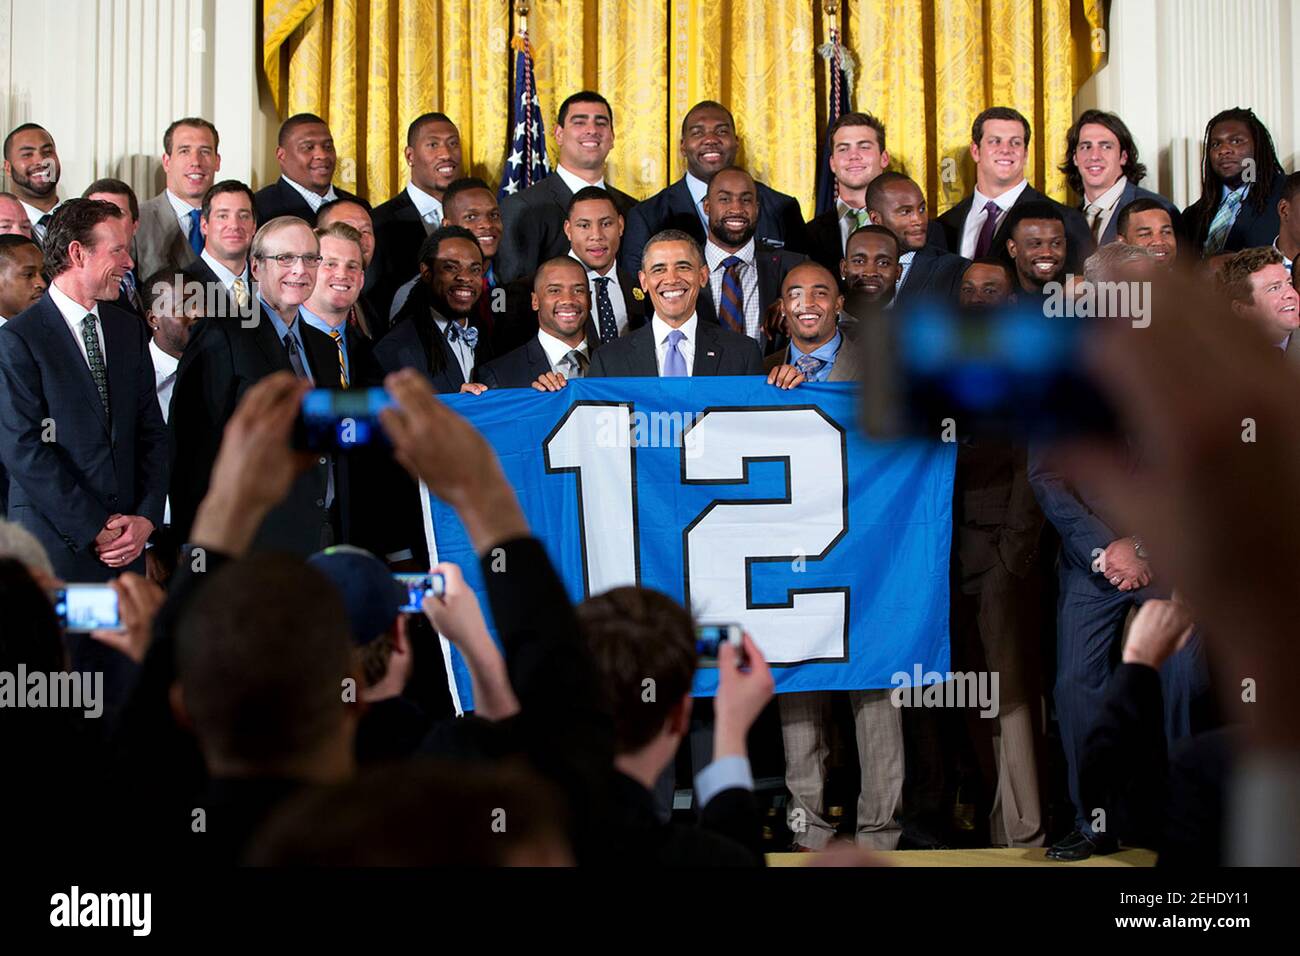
{"x": 287, "y": 259}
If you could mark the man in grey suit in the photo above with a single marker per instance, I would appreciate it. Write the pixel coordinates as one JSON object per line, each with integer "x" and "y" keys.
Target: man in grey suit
{"x": 169, "y": 236}
{"x": 534, "y": 219}
{"x": 81, "y": 432}
{"x": 675, "y": 343}
{"x": 811, "y": 305}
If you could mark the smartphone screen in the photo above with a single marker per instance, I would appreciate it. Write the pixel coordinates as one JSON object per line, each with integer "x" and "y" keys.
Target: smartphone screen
{"x": 709, "y": 639}
{"x": 340, "y": 419}
{"x": 87, "y": 607}
{"x": 417, "y": 587}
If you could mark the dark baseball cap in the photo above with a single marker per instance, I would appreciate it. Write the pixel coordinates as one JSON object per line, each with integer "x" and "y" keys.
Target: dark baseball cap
{"x": 369, "y": 593}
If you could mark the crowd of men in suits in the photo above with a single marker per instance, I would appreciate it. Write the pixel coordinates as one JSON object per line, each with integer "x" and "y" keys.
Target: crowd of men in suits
{"x": 153, "y": 352}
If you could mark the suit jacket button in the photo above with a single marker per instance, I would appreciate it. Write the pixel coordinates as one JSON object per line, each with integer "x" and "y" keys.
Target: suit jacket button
{"x": 320, "y": 502}
{"x": 324, "y": 461}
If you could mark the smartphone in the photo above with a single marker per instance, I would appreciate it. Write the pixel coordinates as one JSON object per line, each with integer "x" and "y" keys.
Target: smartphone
{"x": 87, "y": 607}
{"x": 417, "y": 587}
{"x": 340, "y": 419}
{"x": 709, "y": 639}
{"x": 936, "y": 370}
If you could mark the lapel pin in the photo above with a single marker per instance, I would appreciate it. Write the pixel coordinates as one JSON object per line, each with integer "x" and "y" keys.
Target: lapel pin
{"x": 709, "y": 354}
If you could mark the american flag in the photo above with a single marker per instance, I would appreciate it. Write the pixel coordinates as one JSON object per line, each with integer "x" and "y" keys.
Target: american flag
{"x": 526, "y": 162}
{"x": 841, "y": 78}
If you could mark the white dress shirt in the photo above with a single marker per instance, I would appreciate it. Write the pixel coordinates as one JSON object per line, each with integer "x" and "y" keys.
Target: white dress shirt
{"x": 686, "y": 346}
{"x": 225, "y": 275}
{"x": 1108, "y": 203}
{"x": 460, "y": 348}
{"x": 615, "y": 294}
{"x": 1286, "y": 261}
{"x": 164, "y": 376}
{"x": 429, "y": 207}
{"x": 713, "y": 257}
{"x": 313, "y": 200}
{"x": 970, "y": 233}
{"x": 73, "y": 314}
{"x": 698, "y": 189}
{"x": 182, "y": 210}
{"x": 576, "y": 182}
{"x": 34, "y": 216}
{"x": 556, "y": 350}
{"x": 904, "y": 267}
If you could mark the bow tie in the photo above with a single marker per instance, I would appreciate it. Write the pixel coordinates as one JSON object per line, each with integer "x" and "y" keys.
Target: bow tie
{"x": 469, "y": 333}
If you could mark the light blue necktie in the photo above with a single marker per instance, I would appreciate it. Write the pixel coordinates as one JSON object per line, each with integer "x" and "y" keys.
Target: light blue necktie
{"x": 1224, "y": 217}
{"x": 809, "y": 365}
{"x": 196, "y": 234}
{"x": 674, "y": 361}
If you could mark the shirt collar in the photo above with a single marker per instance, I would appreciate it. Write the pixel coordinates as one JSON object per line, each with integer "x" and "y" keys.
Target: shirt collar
{"x": 906, "y": 258}
{"x": 555, "y": 349}
{"x": 574, "y": 182}
{"x": 34, "y": 214}
{"x": 313, "y": 200}
{"x": 662, "y": 328}
{"x": 1110, "y": 197}
{"x": 1227, "y": 191}
{"x": 825, "y": 352}
{"x": 281, "y": 330}
{"x": 424, "y": 203}
{"x": 179, "y": 205}
{"x": 163, "y": 364}
{"x": 316, "y": 322}
{"x": 714, "y": 254}
{"x": 1005, "y": 201}
{"x": 698, "y": 188}
{"x": 221, "y": 272}
{"x": 842, "y": 208}
{"x": 72, "y": 311}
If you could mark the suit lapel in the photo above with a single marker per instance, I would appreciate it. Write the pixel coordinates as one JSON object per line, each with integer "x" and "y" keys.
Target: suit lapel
{"x": 270, "y": 345}
{"x": 708, "y": 353}
{"x": 117, "y": 347}
{"x": 769, "y": 278}
{"x": 704, "y": 307}
{"x": 846, "y": 365}
{"x": 634, "y": 306}
{"x": 538, "y": 363}
{"x": 643, "y": 360}
{"x": 61, "y": 336}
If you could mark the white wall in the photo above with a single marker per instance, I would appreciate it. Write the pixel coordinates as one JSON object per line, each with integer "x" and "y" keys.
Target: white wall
{"x": 106, "y": 77}
{"x": 1175, "y": 63}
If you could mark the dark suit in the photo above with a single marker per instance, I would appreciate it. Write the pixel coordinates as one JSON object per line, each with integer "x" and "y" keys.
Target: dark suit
{"x": 1078, "y": 237}
{"x": 825, "y": 245}
{"x": 1132, "y": 191}
{"x": 416, "y": 342}
{"x": 281, "y": 199}
{"x": 773, "y": 265}
{"x": 534, "y": 226}
{"x": 218, "y": 301}
{"x": 518, "y": 368}
{"x": 399, "y": 233}
{"x": 718, "y": 351}
{"x": 780, "y": 223}
{"x": 219, "y": 365}
{"x": 63, "y": 491}
{"x": 934, "y": 273}
{"x": 1250, "y": 229}
{"x": 1090, "y": 613}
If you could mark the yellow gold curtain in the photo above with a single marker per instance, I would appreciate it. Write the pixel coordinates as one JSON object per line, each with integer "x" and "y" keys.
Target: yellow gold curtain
{"x": 925, "y": 67}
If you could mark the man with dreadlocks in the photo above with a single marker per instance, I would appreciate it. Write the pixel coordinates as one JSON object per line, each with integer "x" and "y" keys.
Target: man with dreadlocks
{"x": 1241, "y": 183}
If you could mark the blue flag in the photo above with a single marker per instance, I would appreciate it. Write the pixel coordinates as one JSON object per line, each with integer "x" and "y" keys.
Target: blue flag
{"x": 749, "y": 504}
{"x": 526, "y": 161}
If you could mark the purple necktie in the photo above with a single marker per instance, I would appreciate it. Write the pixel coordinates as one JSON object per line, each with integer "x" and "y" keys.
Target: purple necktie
{"x": 986, "y": 232}
{"x": 674, "y": 361}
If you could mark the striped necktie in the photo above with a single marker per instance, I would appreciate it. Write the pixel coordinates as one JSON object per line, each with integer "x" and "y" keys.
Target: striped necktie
{"x": 1223, "y": 220}
{"x": 733, "y": 301}
{"x": 337, "y": 336}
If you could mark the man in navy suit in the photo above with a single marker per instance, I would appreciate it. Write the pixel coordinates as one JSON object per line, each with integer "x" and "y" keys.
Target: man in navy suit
{"x": 435, "y": 333}
{"x": 559, "y": 350}
{"x": 676, "y": 343}
{"x": 1241, "y": 184}
{"x": 976, "y": 226}
{"x": 897, "y": 203}
{"x": 228, "y": 222}
{"x": 1102, "y": 165}
{"x": 82, "y": 435}
{"x": 305, "y": 152}
{"x": 745, "y": 276}
{"x": 709, "y": 145}
{"x": 534, "y": 218}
